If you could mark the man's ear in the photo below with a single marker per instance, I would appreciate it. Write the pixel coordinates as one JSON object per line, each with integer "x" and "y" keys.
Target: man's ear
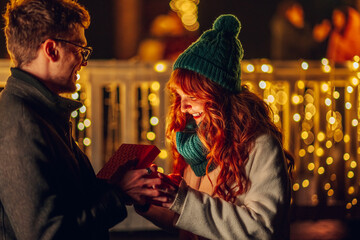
{"x": 51, "y": 50}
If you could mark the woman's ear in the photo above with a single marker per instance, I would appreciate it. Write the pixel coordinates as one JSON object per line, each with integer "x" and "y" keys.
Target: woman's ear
{"x": 50, "y": 50}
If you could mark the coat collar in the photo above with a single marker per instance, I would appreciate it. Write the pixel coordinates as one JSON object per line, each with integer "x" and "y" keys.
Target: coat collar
{"x": 28, "y": 85}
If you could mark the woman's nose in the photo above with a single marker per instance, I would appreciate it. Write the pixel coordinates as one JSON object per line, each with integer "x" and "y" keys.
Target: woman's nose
{"x": 185, "y": 106}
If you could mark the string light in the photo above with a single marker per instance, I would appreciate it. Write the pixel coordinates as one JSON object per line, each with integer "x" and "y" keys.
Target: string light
{"x": 160, "y": 67}
{"x": 154, "y": 121}
{"x": 188, "y": 12}
{"x": 82, "y": 109}
{"x": 155, "y": 86}
{"x": 304, "y": 65}
{"x": 250, "y": 68}
{"x": 75, "y": 96}
{"x": 87, "y": 123}
{"x": 74, "y": 114}
{"x": 151, "y": 136}
{"x": 262, "y": 84}
{"x": 163, "y": 154}
{"x": 305, "y": 183}
{"x": 87, "y": 141}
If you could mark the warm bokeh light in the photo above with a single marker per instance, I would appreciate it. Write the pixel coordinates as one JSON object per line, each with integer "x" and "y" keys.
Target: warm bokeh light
{"x": 326, "y": 68}
{"x": 305, "y": 183}
{"x": 152, "y": 97}
{"x": 301, "y": 84}
{"x": 353, "y": 164}
{"x": 329, "y": 161}
{"x": 87, "y": 123}
{"x": 74, "y": 114}
{"x": 324, "y": 61}
{"x": 336, "y": 94}
{"x": 87, "y": 141}
{"x": 262, "y": 84}
{"x": 250, "y": 68}
{"x": 311, "y": 166}
{"x": 78, "y": 86}
{"x": 328, "y": 144}
{"x": 355, "y": 65}
{"x": 321, "y": 170}
{"x": 311, "y": 149}
{"x": 160, "y": 67}
{"x": 155, "y": 86}
{"x": 351, "y": 190}
{"x": 354, "y": 122}
{"x": 297, "y": 117}
{"x": 163, "y": 154}
{"x": 82, "y": 109}
{"x": 304, "y": 65}
{"x": 81, "y": 126}
{"x": 325, "y": 87}
{"x": 350, "y": 174}
{"x": 321, "y": 136}
{"x": 151, "y": 136}
{"x": 296, "y": 187}
{"x": 302, "y": 153}
{"x": 154, "y": 121}
{"x": 355, "y": 81}
{"x": 75, "y": 96}
{"x": 187, "y": 11}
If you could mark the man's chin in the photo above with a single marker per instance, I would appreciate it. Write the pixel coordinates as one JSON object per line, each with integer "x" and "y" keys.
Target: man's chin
{"x": 68, "y": 89}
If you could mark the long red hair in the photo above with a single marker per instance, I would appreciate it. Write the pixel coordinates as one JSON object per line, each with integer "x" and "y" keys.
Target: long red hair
{"x": 230, "y": 126}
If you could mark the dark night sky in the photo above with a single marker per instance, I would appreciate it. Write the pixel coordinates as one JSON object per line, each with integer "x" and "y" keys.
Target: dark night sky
{"x": 254, "y": 15}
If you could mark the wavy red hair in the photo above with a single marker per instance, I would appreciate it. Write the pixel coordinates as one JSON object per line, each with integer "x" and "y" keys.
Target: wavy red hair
{"x": 230, "y": 126}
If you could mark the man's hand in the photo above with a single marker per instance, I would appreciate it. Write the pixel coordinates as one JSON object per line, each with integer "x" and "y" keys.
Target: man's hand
{"x": 138, "y": 185}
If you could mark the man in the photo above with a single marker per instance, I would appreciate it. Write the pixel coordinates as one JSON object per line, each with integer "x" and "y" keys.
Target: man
{"x": 48, "y": 189}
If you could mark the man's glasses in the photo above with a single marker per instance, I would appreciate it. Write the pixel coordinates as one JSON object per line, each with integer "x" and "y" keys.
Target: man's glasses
{"x": 85, "y": 51}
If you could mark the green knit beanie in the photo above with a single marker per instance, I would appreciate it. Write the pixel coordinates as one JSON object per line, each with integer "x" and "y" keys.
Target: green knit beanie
{"x": 217, "y": 54}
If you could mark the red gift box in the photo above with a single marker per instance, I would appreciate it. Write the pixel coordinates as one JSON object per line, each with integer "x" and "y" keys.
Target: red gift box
{"x": 144, "y": 154}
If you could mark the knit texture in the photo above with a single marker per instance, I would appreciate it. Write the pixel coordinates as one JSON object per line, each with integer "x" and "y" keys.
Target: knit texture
{"x": 190, "y": 147}
{"x": 217, "y": 54}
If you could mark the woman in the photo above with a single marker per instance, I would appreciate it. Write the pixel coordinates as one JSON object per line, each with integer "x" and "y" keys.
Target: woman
{"x": 234, "y": 182}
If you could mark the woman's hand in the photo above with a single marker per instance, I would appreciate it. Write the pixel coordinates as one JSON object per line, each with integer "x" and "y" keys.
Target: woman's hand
{"x": 168, "y": 188}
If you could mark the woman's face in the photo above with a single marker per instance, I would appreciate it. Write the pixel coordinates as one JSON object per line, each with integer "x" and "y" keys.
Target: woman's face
{"x": 192, "y": 105}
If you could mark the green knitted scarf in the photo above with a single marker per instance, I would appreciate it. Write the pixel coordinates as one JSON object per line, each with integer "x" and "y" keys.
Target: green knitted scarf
{"x": 190, "y": 147}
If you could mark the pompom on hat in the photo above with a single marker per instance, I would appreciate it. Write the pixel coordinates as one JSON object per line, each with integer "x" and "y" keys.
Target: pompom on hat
{"x": 217, "y": 54}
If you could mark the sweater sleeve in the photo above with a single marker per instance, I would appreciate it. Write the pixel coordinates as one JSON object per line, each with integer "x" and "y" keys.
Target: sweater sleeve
{"x": 260, "y": 213}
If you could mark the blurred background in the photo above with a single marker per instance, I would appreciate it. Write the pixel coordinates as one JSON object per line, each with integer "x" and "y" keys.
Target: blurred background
{"x": 301, "y": 56}
{"x": 127, "y": 29}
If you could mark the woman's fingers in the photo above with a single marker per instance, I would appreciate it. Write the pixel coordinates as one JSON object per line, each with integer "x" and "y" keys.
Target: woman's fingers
{"x": 162, "y": 201}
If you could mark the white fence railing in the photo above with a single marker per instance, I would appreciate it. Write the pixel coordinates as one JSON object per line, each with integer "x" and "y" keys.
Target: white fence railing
{"x": 315, "y": 103}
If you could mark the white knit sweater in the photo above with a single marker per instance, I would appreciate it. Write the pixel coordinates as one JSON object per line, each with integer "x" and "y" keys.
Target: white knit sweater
{"x": 260, "y": 213}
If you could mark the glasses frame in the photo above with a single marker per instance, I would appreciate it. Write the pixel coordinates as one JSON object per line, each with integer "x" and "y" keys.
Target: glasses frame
{"x": 85, "y": 51}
